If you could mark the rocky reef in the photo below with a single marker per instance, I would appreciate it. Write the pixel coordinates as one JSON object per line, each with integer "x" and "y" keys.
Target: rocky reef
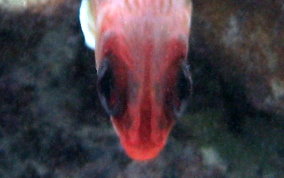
{"x": 243, "y": 41}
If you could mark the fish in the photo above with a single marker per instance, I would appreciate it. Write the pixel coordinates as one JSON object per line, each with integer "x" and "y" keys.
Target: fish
{"x": 143, "y": 75}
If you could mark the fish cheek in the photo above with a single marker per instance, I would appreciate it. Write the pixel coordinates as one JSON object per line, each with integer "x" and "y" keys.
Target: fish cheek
{"x": 163, "y": 107}
{"x": 131, "y": 112}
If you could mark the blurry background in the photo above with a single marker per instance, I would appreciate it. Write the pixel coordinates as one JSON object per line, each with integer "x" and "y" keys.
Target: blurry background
{"x": 52, "y": 125}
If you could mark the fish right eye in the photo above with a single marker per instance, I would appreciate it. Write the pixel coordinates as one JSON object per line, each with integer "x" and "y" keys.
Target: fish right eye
{"x": 183, "y": 88}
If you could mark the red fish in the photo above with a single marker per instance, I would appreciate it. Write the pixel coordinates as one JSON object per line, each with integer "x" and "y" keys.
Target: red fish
{"x": 143, "y": 76}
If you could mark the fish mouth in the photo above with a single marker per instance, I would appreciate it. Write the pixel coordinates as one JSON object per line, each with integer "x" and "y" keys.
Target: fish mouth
{"x": 142, "y": 148}
{"x": 142, "y": 151}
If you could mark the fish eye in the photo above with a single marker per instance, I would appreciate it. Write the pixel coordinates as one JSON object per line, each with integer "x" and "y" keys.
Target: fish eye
{"x": 110, "y": 95}
{"x": 183, "y": 89}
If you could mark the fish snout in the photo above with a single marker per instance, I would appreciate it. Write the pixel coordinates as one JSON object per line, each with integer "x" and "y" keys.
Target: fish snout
{"x": 143, "y": 147}
{"x": 143, "y": 138}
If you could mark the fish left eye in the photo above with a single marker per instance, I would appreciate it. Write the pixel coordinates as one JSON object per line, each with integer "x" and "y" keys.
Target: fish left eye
{"x": 109, "y": 94}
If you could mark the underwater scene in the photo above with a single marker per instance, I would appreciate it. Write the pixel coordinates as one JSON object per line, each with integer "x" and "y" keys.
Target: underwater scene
{"x": 215, "y": 111}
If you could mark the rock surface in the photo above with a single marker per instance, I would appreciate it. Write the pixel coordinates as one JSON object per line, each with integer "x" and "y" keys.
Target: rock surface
{"x": 243, "y": 42}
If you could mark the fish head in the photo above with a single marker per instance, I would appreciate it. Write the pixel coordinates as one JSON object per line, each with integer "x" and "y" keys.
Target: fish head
{"x": 143, "y": 76}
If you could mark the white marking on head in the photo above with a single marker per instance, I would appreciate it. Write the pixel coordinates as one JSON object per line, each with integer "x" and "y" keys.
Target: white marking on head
{"x": 87, "y": 24}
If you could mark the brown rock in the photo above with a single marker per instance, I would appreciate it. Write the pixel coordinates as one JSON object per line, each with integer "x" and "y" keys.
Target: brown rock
{"x": 244, "y": 42}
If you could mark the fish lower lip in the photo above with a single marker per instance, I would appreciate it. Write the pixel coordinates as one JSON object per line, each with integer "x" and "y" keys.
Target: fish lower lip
{"x": 142, "y": 152}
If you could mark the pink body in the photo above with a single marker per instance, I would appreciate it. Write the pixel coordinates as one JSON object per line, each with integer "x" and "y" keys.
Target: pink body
{"x": 141, "y": 45}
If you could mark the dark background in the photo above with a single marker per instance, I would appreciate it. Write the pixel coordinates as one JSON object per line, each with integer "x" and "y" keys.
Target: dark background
{"x": 52, "y": 124}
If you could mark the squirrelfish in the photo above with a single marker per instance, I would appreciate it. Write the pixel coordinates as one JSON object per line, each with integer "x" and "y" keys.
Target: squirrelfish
{"x": 141, "y": 47}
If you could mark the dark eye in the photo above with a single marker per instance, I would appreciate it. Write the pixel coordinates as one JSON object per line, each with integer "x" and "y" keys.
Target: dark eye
{"x": 110, "y": 95}
{"x": 183, "y": 89}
